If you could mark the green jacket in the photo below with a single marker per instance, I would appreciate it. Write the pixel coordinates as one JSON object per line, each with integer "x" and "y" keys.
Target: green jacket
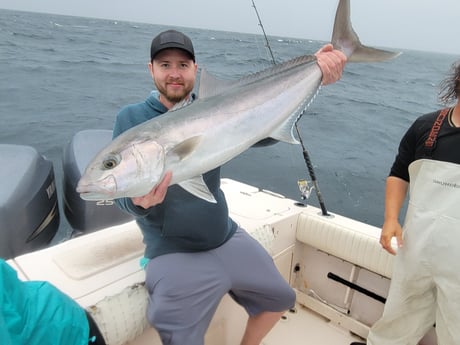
{"x": 37, "y": 313}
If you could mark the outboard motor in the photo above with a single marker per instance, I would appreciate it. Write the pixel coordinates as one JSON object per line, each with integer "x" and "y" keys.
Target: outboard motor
{"x": 29, "y": 212}
{"x": 83, "y": 215}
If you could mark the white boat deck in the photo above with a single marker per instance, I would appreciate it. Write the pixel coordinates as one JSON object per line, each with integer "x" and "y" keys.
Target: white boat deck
{"x": 101, "y": 272}
{"x": 306, "y": 327}
{"x": 297, "y": 328}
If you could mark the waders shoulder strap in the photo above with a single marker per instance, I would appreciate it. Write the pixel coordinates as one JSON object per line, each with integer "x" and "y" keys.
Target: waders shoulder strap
{"x": 430, "y": 142}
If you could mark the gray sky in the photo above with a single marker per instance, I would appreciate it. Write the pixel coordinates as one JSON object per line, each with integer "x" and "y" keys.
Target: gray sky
{"x": 430, "y": 25}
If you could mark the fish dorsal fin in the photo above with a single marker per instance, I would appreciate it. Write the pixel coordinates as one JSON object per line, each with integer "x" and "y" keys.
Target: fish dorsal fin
{"x": 183, "y": 149}
{"x": 211, "y": 86}
{"x": 198, "y": 187}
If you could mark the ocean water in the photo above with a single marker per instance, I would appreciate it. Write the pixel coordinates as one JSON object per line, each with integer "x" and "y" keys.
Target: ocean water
{"x": 62, "y": 74}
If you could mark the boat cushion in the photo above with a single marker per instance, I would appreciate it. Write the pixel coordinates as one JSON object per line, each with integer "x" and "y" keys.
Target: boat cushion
{"x": 349, "y": 240}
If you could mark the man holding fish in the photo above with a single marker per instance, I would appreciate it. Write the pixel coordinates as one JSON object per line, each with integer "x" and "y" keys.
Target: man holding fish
{"x": 195, "y": 253}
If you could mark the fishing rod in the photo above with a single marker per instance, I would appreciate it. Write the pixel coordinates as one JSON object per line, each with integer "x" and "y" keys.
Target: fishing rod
{"x": 303, "y": 184}
{"x": 263, "y": 30}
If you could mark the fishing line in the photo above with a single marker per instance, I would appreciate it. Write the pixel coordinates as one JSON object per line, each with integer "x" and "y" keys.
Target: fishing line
{"x": 302, "y": 184}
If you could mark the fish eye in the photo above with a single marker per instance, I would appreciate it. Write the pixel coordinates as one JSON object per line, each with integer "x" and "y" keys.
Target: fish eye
{"x": 110, "y": 162}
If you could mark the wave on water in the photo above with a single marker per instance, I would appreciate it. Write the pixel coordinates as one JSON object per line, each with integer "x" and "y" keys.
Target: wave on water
{"x": 63, "y": 74}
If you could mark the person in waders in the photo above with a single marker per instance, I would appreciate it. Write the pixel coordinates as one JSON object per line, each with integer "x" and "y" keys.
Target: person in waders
{"x": 425, "y": 285}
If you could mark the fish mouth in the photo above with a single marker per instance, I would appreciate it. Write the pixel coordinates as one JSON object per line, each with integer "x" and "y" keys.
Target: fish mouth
{"x": 93, "y": 196}
{"x": 104, "y": 189}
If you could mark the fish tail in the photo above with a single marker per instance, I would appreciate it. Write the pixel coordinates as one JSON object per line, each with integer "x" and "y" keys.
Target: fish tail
{"x": 345, "y": 39}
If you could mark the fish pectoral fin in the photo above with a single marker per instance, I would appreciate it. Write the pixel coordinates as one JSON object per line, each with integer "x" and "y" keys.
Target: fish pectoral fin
{"x": 198, "y": 187}
{"x": 186, "y": 147}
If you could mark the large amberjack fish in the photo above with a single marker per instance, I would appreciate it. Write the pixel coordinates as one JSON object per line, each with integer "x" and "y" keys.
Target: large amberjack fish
{"x": 226, "y": 119}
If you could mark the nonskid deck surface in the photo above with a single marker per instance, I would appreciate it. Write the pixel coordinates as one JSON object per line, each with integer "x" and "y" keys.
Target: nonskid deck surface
{"x": 304, "y": 326}
{"x": 298, "y": 327}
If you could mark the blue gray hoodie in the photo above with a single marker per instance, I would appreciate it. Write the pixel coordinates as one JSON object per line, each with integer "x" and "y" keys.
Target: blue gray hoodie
{"x": 183, "y": 222}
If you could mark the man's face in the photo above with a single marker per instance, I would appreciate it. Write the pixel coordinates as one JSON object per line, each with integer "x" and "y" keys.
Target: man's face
{"x": 173, "y": 72}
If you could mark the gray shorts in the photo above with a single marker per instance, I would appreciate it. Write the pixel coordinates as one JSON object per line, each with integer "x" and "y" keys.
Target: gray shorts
{"x": 186, "y": 288}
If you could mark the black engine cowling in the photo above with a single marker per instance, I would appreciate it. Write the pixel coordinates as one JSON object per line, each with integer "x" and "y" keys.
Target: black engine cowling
{"x": 29, "y": 212}
{"x": 87, "y": 216}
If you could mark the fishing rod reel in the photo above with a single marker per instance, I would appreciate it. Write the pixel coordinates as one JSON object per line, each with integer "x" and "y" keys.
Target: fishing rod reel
{"x": 305, "y": 189}
{"x": 305, "y": 192}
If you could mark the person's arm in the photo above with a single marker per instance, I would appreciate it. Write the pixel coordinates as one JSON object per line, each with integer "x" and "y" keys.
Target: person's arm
{"x": 331, "y": 62}
{"x": 395, "y": 194}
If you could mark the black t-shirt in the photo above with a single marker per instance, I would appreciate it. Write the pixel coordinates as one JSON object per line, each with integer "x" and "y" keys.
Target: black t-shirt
{"x": 412, "y": 146}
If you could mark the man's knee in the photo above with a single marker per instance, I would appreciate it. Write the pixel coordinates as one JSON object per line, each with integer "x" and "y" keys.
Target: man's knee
{"x": 176, "y": 328}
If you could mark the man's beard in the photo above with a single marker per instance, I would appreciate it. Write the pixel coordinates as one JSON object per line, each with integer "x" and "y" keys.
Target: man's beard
{"x": 173, "y": 97}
